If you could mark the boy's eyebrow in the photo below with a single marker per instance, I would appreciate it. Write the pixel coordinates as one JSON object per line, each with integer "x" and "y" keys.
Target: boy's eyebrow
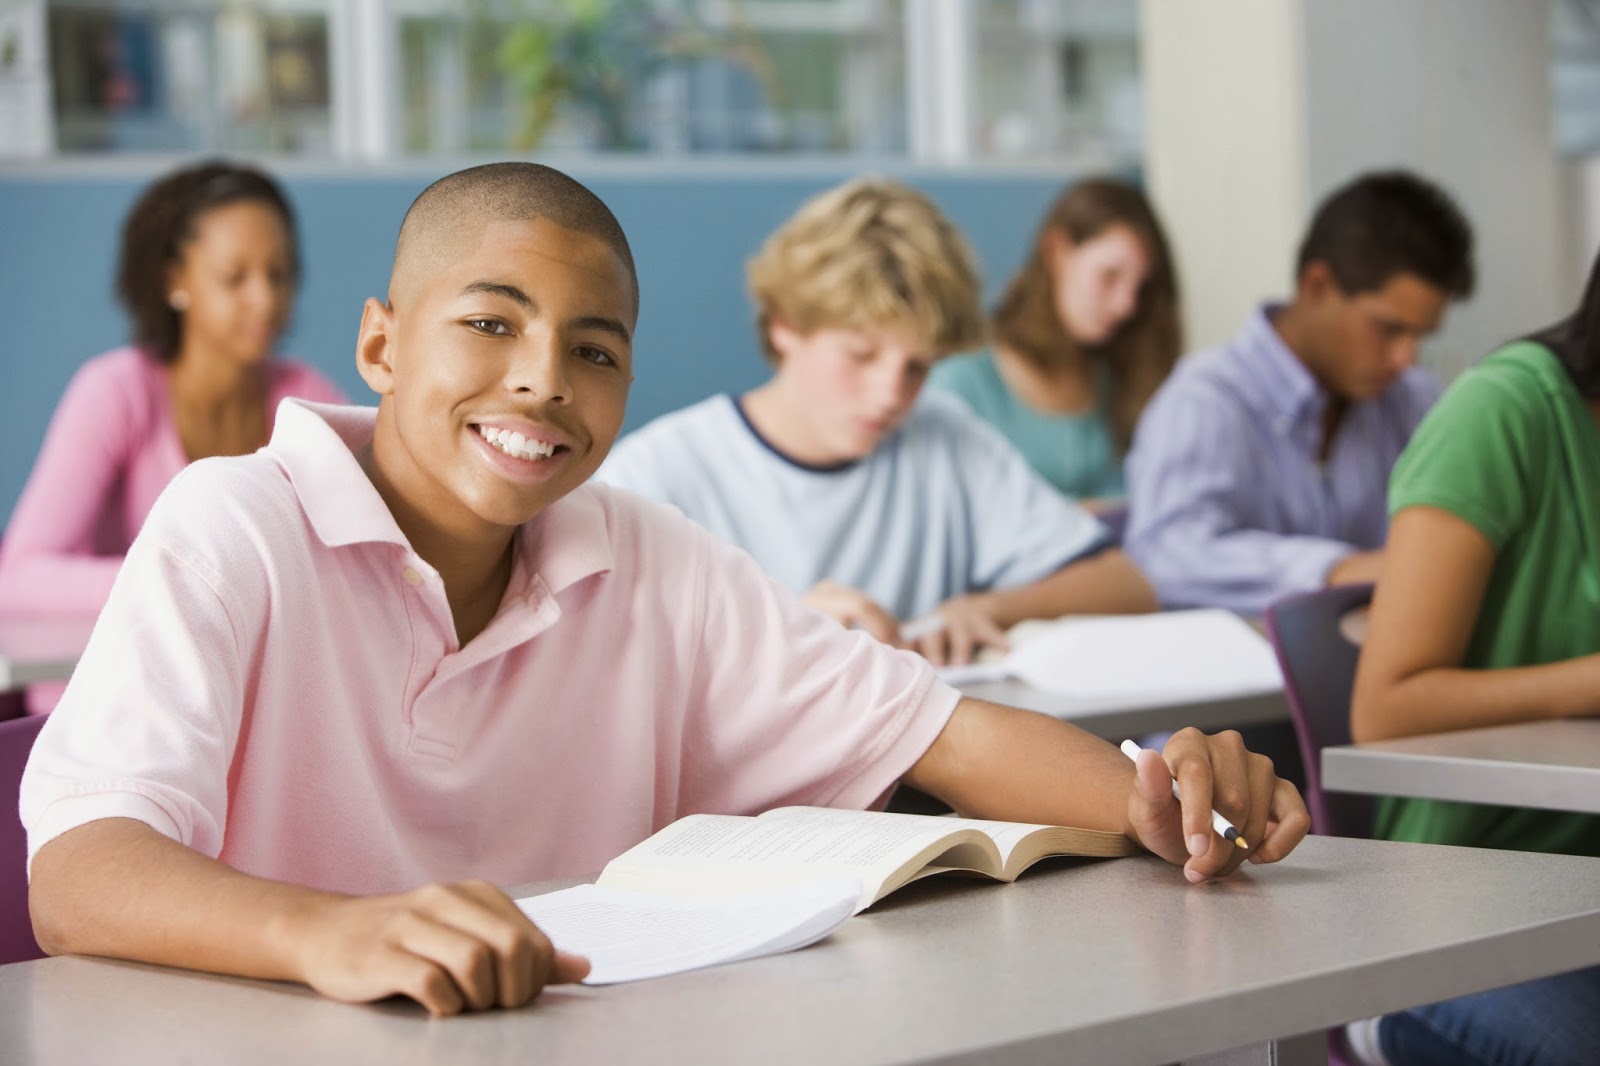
{"x": 523, "y": 300}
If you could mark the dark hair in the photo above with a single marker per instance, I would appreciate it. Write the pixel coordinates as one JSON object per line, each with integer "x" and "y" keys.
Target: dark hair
{"x": 162, "y": 222}
{"x": 1389, "y": 223}
{"x": 1575, "y": 340}
{"x": 1143, "y": 350}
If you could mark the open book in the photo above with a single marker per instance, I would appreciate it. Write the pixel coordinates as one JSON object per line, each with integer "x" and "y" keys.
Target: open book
{"x": 715, "y": 888}
{"x": 1135, "y": 660}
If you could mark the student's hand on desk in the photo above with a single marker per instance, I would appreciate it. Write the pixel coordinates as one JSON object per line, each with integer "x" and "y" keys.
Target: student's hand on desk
{"x": 1213, "y": 771}
{"x": 969, "y": 624}
{"x": 853, "y": 609}
{"x": 449, "y": 947}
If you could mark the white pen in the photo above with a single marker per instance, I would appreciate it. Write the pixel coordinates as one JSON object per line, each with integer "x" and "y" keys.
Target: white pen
{"x": 1223, "y": 827}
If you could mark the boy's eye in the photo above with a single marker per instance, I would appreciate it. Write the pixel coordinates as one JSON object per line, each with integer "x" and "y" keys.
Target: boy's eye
{"x": 597, "y": 356}
{"x": 489, "y": 325}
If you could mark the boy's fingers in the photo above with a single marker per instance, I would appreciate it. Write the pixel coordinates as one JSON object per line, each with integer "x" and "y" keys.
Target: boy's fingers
{"x": 1155, "y": 815}
{"x": 427, "y": 983}
{"x": 468, "y": 961}
{"x": 567, "y": 968}
{"x": 1289, "y": 824}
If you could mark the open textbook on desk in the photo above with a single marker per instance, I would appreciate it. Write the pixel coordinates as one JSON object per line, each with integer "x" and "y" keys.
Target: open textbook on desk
{"x": 716, "y": 888}
{"x": 1135, "y": 660}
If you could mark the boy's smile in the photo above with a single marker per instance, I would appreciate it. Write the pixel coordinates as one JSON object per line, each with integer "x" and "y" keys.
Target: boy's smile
{"x": 504, "y": 371}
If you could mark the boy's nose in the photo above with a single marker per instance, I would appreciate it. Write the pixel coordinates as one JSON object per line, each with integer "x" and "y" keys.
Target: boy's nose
{"x": 542, "y": 371}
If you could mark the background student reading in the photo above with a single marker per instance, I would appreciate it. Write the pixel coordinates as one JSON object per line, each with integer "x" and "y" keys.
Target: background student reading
{"x": 1489, "y": 613}
{"x": 1085, "y": 332}
{"x": 207, "y": 271}
{"x": 1258, "y": 470}
{"x": 849, "y": 484}
{"x": 473, "y": 664}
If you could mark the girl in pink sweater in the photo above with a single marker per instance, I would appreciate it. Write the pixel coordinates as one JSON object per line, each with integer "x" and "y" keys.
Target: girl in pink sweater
{"x": 207, "y": 272}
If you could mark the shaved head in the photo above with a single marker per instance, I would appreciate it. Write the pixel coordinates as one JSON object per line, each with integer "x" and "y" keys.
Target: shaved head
{"x": 447, "y": 220}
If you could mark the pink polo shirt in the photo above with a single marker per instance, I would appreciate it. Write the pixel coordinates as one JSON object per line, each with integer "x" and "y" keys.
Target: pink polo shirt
{"x": 275, "y": 681}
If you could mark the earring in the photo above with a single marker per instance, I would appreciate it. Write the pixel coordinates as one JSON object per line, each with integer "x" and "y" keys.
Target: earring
{"x": 179, "y": 300}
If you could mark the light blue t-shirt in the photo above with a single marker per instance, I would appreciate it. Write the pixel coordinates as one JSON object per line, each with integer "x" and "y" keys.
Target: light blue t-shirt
{"x": 1074, "y": 452}
{"x": 944, "y": 506}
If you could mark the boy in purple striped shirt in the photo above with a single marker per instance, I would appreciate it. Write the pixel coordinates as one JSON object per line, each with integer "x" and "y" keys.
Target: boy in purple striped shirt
{"x": 1260, "y": 467}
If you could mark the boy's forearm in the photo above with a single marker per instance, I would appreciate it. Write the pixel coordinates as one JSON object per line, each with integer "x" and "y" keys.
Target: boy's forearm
{"x": 118, "y": 888}
{"x": 1011, "y": 765}
{"x": 1105, "y": 583}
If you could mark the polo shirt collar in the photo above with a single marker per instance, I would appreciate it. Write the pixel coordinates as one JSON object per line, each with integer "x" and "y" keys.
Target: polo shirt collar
{"x": 317, "y": 445}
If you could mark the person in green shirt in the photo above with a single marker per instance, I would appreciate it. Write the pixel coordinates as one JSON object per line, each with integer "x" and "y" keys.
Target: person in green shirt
{"x": 1083, "y": 335}
{"x": 1487, "y": 612}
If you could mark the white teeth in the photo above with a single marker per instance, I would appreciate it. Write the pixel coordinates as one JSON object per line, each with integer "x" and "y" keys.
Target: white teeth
{"x": 515, "y": 444}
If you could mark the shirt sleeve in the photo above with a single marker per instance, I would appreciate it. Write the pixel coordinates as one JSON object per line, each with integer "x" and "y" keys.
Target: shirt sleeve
{"x": 1473, "y": 455}
{"x": 149, "y": 722}
{"x": 48, "y": 562}
{"x": 787, "y": 706}
{"x": 1191, "y": 480}
{"x": 1022, "y": 528}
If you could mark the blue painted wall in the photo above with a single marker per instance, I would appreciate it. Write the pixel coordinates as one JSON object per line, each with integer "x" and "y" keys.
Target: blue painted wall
{"x": 691, "y": 233}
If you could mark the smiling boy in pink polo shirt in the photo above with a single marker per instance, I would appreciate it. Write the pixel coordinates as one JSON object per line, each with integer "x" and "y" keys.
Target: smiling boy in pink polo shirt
{"x": 393, "y": 650}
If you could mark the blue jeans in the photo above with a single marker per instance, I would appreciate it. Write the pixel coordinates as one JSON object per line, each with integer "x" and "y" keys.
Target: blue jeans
{"x": 1554, "y": 1021}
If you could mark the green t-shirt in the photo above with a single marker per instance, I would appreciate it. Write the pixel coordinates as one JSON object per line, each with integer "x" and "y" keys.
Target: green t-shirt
{"x": 1512, "y": 449}
{"x": 1074, "y": 452}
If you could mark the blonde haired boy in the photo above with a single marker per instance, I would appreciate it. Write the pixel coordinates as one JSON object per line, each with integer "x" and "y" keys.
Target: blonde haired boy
{"x": 348, "y": 686}
{"x": 876, "y": 502}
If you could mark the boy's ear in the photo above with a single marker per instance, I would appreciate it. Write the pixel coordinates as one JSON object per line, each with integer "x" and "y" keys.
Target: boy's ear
{"x": 375, "y": 347}
{"x": 1316, "y": 282}
{"x": 782, "y": 335}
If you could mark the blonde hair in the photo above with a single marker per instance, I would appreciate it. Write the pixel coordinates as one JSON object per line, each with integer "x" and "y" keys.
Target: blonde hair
{"x": 1142, "y": 352}
{"x": 869, "y": 254}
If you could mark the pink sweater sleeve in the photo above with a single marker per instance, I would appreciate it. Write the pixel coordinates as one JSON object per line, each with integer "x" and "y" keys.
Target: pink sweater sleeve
{"x": 47, "y": 560}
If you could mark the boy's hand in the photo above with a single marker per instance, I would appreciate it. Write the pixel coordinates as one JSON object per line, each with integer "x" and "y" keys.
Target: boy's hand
{"x": 853, "y": 609}
{"x": 969, "y": 624}
{"x": 449, "y": 947}
{"x": 1213, "y": 771}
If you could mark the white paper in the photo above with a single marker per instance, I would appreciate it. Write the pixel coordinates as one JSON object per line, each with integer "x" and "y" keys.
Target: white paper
{"x": 629, "y": 935}
{"x": 1138, "y": 660}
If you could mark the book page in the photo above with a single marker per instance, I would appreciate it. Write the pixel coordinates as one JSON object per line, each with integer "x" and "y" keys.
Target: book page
{"x": 1139, "y": 660}
{"x": 630, "y": 936}
{"x": 710, "y": 853}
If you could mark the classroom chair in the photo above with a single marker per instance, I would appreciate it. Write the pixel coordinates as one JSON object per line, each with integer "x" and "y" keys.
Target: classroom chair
{"x": 16, "y": 929}
{"x": 1319, "y": 670}
{"x": 1116, "y": 519}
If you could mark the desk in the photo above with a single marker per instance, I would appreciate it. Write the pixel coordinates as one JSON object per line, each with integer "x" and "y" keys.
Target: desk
{"x": 40, "y": 649}
{"x": 1553, "y": 764}
{"x": 1114, "y": 722}
{"x": 1119, "y": 963}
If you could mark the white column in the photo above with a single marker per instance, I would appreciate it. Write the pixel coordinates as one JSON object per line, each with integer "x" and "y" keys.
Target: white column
{"x": 939, "y": 79}
{"x": 1258, "y": 108}
{"x": 363, "y": 43}
{"x": 27, "y": 128}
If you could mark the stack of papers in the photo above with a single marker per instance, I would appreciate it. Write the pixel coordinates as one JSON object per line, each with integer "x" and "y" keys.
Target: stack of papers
{"x": 1136, "y": 660}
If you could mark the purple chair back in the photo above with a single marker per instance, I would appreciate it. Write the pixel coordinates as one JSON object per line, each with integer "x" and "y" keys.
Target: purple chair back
{"x": 16, "y": 928}
{"x": 1319, "y": 669}
{"x": 1115, "y": 519}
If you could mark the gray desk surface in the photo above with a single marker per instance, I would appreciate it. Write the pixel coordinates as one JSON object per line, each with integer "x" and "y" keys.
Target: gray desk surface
{"x": 1554, "y": 764}
{"x": 1115, "y": 723}
{"x": 40, "y": 649}
{"x": 1116, "y": 962}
